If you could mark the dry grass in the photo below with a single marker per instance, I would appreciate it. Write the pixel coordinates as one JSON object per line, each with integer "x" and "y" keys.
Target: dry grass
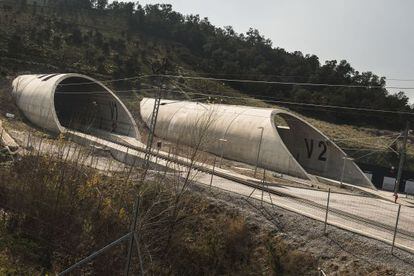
{"x": 56, "y": 212}
{"x": 53, "y": 212}
{"x": 288, "y": 261}
{"x": 355, "y": 137}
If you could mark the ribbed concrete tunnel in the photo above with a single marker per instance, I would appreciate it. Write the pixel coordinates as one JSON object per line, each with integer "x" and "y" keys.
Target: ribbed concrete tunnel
{"x": 252, "y": 135}
{"x": 88, "y": 107}
{"x": 58, "y": 102}
{"x": 315, "y": 152}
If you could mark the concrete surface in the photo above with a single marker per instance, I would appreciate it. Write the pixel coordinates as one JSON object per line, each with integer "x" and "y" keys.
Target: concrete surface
{"x": 235, "y": 132}
{"x": 57, "y": 102}
{"x": 354, "y": 206}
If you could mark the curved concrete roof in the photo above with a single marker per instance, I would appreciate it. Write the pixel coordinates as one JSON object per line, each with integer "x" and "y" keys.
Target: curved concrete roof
{"x": 35, "y": 96}
{"x": 298, "y": 149}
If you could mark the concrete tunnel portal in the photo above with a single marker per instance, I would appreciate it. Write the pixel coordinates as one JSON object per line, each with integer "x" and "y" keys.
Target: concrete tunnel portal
{"x": 271, "y": 138}
{"x": 62, "y": 102}
{"x": 314, "y": 151}
{"x": 310, "y": 148}
{"x": 89, "y": 107}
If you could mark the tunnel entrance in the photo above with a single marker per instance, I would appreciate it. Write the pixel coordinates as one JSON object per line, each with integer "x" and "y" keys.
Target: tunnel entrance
{"x": 87, "y": 106}
{"x": 312, "y": 150}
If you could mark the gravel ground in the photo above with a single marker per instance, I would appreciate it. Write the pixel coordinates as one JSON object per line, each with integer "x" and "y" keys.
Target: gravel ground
{"x": 339, "y": 252}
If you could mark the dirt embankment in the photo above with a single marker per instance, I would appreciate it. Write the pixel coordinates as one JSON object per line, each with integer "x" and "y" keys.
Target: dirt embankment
{"x": 338, "y": 253}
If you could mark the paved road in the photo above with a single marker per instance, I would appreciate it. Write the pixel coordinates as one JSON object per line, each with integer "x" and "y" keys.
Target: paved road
{"x": 364, "y": 207}
{"x": 369, "y": 208}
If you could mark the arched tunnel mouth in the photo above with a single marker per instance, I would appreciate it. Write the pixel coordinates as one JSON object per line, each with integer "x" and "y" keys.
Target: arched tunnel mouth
{"x": 85, "y": 105}
{"x": 314, "y": 152}
{"x": 309, "y": 147}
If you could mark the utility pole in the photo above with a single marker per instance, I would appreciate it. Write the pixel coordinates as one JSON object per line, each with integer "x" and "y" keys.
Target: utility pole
{"x": 151, "y": 126}
{"x": 132, "y": 234}
{"x": 402, "y": 159}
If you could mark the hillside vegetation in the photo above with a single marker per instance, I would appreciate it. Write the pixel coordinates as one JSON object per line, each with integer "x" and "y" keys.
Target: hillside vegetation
{"x": 126, "y": 39}
{"x": 123, "y": 40}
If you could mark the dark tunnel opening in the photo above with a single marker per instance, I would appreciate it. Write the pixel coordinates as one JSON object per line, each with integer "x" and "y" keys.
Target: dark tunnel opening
{"x": 316, "y": 153}
{"x": 86, "y": 106}
{"x": 309, "y": 147}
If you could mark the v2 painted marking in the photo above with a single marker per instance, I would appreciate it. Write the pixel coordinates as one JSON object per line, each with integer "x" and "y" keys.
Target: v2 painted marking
{"x": 309, "y": 149}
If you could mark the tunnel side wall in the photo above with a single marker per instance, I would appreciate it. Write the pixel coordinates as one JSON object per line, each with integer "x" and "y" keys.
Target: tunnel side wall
{"x": 99, "y": 110}
{"x": 35, "y": 97}
{"x": 318, "y": 155}
{"x": 239, "y": 126}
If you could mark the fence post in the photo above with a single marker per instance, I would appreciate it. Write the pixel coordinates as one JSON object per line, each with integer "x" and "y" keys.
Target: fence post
{"x": 156, "y": 156}
{"x": 395, "y": 229}
{"x": 327, "y": 210}
{"x": 222, "y": 150}
{"x": 343, "y": 170}
{"x": 131, "y": 241}
{"x": 126, "y": 155}
{"x": 167, "y": 162}
{"x": 212, "y": 173}
{"x": 263, "y": 184}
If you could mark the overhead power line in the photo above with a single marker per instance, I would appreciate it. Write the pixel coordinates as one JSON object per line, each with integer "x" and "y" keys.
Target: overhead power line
{"x": 309, "y": 104}
{"x": 408, "y": 80}
{"x": 273, "y": 82}
{"x": 290, "y": 83}
{"x": 267, "y": 99}
{"x": 249, "y": 81}
{"x": 284, "y": 76}
{"x": 106, "y": 81}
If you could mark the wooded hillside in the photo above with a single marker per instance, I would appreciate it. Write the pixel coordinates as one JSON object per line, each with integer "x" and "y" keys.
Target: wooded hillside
{"x": 125, "y": 39}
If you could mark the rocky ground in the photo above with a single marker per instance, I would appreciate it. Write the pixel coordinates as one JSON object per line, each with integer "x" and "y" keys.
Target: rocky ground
{"x": 339, "y": 252}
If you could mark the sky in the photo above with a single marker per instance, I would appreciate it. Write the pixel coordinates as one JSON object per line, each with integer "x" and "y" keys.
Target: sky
{"x": 372, "y": 35}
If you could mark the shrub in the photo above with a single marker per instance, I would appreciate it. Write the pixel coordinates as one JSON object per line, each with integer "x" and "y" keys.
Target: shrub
{"x": 285, "y": 260}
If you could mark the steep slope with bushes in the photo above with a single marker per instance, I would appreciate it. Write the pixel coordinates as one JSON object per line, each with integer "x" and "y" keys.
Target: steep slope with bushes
{"x": 126, "y": 39}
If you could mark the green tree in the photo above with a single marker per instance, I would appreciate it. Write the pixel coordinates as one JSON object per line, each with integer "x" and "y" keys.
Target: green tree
{"x": 76, "y": 37}
{"x": 101, "y": 4}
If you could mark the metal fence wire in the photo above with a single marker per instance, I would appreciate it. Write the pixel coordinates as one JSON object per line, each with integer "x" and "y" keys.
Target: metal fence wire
{"x": 372, "y": 217}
